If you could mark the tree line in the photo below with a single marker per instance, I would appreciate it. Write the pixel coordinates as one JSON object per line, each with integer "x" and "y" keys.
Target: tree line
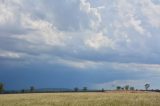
{"x": 127, "y": 87}
{"x": 76, "y": 89}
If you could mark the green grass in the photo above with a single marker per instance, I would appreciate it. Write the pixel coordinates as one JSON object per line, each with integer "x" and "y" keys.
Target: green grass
{"x": 81, "y": 99}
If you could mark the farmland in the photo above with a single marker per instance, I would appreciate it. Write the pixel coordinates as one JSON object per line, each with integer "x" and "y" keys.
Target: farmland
{"x": 81, "y": 99}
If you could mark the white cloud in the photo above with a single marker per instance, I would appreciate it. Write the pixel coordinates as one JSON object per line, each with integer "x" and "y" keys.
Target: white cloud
{"x": 137, "y": 25}
{"x": 128, "y": 16}
{"x": 80, "y": 64}
{"x": 42, "y": 32}
{"x": 148, "y": 69}
{"x": 151, "y": 11}
{"x": 99, "y": 41}
{"x": 151, "y": 68}
{"x": 10, "y": 54}
{"x": 93, "y": 13}
{"x": 7, "y": 15}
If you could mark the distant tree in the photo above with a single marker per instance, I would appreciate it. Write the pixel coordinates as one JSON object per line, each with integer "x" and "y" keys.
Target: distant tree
{"x": 132, "y": 88}
{"x": 84, "y": 88}
{"x": 102, "y": 89}
{"x": 22, "y": 91}
{"x": 32, "y": 89}
{"x": 147, "y": 86}
{"x": 118, "y": 88}
{"x": 122, "y": 88}
{"x": 76, "y": 89}
{"x": 126, "y": 87}
{"x": 1, "y": 87}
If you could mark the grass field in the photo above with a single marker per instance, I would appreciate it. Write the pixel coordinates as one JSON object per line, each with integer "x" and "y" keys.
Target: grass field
{"x": 81, "y": 99}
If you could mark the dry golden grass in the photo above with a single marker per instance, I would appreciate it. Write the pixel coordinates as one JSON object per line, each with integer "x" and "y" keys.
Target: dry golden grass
{"x": 81, "y": 99}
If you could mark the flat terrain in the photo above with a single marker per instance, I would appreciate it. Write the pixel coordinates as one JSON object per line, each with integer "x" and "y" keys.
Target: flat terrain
{"x": 81, "y": 99}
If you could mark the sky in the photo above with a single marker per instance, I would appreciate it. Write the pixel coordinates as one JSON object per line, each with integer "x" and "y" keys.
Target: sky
{"x": 77, "y": 43}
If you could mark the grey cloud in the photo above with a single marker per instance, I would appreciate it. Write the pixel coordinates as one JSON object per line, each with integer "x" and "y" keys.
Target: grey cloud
{"x": 70, "y": 26}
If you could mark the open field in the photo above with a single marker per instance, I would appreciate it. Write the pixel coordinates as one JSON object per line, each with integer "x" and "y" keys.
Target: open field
{"x": 81, "y": 99}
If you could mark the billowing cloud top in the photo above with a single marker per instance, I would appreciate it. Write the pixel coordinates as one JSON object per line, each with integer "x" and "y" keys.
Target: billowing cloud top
{"x": 104, "y": 41}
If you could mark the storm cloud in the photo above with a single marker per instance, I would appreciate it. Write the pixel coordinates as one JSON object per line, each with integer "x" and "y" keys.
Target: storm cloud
{"x": 83, "y": 42}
